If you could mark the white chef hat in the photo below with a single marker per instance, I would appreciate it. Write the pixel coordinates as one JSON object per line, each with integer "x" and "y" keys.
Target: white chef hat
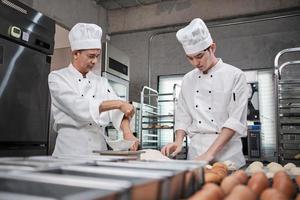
{"x": 195, "y": 37}
{"x": 85, "y": 36}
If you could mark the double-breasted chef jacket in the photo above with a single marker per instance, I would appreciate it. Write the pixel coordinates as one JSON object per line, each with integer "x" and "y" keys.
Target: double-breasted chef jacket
{"x": 75, "y": 107}
{"x": 209, "y": 102}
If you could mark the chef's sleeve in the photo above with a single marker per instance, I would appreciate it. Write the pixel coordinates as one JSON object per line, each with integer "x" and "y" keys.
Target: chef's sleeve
{"x": 237, "y": 108}
{"x": 182, "y": 117}
{"x": 115, "y": 116}
{"x": 66, "y": 99}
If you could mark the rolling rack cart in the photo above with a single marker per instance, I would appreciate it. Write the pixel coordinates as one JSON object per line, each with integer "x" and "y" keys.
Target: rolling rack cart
{"x": 287, "y": 90}
{"x": 148, "y": 116}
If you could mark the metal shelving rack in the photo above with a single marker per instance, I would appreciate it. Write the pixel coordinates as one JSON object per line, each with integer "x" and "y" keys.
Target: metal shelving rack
{"x": 152, "y": 121}
{"x": 148, "y": 134}
{"x": 287, "y": 90}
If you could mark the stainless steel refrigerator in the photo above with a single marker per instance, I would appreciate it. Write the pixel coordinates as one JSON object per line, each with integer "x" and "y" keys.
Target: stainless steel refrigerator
{"x": 26, "y": 43}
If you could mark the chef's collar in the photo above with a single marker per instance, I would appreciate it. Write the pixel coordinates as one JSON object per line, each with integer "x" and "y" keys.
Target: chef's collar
{"x": 77, "y": 74}
{"x": 215, "y": 68}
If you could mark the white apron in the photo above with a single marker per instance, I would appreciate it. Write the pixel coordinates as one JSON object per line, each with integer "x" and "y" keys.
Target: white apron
{"x": 201, "y": 142}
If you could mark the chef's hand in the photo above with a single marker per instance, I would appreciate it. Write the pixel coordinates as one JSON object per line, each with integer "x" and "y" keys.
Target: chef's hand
{"x": 171, "y": 149}
{"x": 127, "y": 109}
{"x": 205, "y": 157}
{"x": 135, "y": 145}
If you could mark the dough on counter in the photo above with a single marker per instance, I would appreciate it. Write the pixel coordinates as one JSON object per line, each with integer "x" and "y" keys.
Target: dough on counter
{"x": 151, "y": 154}
{"x": 289, "y": 166}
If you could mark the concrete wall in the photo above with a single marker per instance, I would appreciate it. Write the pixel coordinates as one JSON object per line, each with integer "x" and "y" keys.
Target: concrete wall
{"x": 248, "y": 43}
{"x": 67, "y": 13}
{"x": 181, "y": 11}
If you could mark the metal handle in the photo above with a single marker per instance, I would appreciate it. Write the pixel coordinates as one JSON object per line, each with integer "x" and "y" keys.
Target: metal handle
{"x": 278, "y": 68}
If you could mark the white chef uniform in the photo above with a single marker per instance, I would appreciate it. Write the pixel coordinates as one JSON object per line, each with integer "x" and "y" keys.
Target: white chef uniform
{"x": 209, "y": 102}
{"x": 75, "y": 106}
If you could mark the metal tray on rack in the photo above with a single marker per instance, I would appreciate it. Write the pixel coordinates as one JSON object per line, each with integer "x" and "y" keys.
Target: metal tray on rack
{"x": 129, "y": 154}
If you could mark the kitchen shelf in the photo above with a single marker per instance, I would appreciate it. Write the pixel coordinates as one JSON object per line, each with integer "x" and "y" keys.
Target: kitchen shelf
{"x": 288, "y": 107}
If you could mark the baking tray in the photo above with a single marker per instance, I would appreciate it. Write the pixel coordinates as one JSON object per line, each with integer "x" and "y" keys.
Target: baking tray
{"x": 64, "y": 186}
{"x": 144, "y": 182}
{"x": 129, "y": 154}
{"x": 172, "y": 187}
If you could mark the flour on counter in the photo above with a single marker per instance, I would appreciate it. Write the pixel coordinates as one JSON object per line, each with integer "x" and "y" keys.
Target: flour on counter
{"x": 151, "y": 154}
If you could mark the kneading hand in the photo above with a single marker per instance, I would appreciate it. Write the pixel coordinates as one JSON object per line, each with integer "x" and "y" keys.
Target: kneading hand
{"x": 135, "y": 145}
{"x": 171, "y": 149}
{"x": 205, "y": 157}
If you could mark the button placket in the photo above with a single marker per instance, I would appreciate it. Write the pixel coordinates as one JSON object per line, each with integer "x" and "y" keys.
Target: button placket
{"x": 211, "y": 98}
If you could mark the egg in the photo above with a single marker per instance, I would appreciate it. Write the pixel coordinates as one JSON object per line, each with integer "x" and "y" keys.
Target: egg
{"x": 210, "y": 191}
{"x": 229, "y": 183}
{"x": 212, "y": 178}
{"x": 272, "y": 194}
{"x": 298, "y": 181}
{"x": 270, "y": 175}
{"x": 215, "y": 189}
{"x": 230, "y": 165}
{"x": 271, "y": 164}
{"x": 241, "y": 192}
{"x": 241, "y": 176}
{"x": 298, "y": 197}
{"x": 279, "y": 175}
{"x": 295, "y": 171}
{"x": 289, "y": 166}
{"x": 276, "y": 168}
{"x": 257, "y": 163}
{"x": 285, "y": 185}
{"x": 219, "y": 164}
{"x": 258, "y": 182}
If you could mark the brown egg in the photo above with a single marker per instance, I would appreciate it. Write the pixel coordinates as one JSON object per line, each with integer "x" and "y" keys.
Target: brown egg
{"x": 241, "y": 192}
{"x": 272, "y": 194}
{"x": 298, "y": 181}
{"x": 212, "y": 178}
{"x": 241, "y": 176}
{"x": 229, "y": 183}
{"x": 210, "y": 191}
{"x": 215, "y": 189}
{"x": 258, "y": 182}
{"x": 278, "y": 175}
{"x": 220, "y": 165}
{"x": 220, "y": 171}
{"x": 285, "y": 185}
{"x": 298, "y": 197}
